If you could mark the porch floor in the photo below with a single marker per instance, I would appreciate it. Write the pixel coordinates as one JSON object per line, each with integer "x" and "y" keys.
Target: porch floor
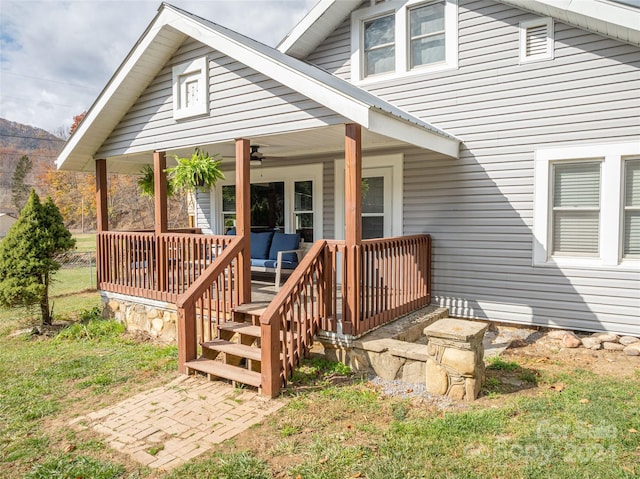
{"x": 178, "y": 421}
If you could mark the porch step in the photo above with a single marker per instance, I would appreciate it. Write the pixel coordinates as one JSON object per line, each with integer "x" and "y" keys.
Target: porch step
{"x": 246, "y": 329}
{"x": 226, "y": 371}
{"x": 234, "y": 349}
{"x": 250, "y": 311}
{"x": 240, "y": 328}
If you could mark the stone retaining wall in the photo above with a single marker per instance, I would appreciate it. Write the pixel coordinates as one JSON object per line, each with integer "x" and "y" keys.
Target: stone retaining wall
{"x": 155, "y": 318}
{"x": 449, "y": 362}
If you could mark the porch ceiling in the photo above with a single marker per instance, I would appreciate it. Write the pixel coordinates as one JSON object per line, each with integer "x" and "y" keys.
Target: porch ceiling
{"x": 292, "y": 146}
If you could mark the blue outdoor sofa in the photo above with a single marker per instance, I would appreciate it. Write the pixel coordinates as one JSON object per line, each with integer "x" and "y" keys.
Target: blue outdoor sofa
{"x": 275, "y": 252}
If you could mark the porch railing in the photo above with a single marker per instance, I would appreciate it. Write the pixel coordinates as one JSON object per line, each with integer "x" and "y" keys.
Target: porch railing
{"x": 208, "y": 302}
{"x": 154, "y": 266}
{"x": 293, "y": 317}
{"x": 394, "y": 278}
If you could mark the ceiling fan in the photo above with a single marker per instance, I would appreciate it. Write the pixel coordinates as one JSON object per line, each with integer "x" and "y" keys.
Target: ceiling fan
{"x": 256, "y": 157}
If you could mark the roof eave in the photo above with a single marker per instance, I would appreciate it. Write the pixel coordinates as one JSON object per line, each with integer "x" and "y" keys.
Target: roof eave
{"x": 618, "y": 21}
{"x": 311, "y": 31}
{"x": 70, "y": 158}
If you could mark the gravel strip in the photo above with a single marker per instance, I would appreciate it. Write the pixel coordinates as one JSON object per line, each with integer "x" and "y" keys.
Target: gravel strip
{"x": 399, "y": 389}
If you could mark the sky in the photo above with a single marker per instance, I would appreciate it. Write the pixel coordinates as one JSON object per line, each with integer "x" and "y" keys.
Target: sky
{"x": 57, "y": 56}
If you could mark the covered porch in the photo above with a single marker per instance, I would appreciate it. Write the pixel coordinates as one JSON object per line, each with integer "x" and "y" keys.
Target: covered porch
{"x": 341, "y": 287}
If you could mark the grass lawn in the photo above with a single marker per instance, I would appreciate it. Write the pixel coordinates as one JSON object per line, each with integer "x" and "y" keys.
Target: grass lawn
{"x": 568, "y": 423}
{"x": 85, "y": 241}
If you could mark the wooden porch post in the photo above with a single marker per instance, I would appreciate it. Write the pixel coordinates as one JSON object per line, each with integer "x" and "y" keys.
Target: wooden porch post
{"x": 103, "y": 217}
{"x": 243, "y": 218}
{"x": 161, "y": 217}
{"x": 101, "y": 196}
{"x": 353, "y": 224}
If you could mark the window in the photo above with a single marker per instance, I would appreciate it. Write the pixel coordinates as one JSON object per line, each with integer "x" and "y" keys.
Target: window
{"x": 586, "y": 209}
{"x": 427, "y": 34}
{"x": 536, "y": 40}
{"x": 228, "y": 208}
{"x": 390, "y": 39}
{"x": 191, "y": 89}
{"x": 373, "y": 207}
{"x": 631, "y": 227}
{"x": 303, "y": 209}
{"x": 576, "y": 208}
{"x": 379, "y": 45}
{"x": 382, "y": 193}
{"x": 288, "y": 199}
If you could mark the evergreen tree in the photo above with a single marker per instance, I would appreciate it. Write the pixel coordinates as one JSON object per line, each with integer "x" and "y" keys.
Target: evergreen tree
{"x": 28, "y": 255}
{"x": 20, "y": 190}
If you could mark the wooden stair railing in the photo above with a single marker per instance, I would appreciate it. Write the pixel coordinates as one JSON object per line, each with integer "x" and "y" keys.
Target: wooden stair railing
{"x": 211, "y": 298}
{"x": 293, "y": 317}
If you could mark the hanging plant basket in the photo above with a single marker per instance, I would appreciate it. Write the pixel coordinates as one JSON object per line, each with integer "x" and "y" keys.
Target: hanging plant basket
{"x": 146, "y": 182}
{"x": 199, "y": 171}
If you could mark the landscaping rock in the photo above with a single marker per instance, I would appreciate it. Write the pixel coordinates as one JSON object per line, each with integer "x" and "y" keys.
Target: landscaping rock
{"x": 611, "y": 346}
{"x": 627, "y": 340}
{"x": 592, "y": 343}
{"x": 606, "y": 337}
{"x": 437, "y": 379}
{"x": 558, "y": 334}
{"x": 632, "y": 349}
{"x": 570, "y": 340}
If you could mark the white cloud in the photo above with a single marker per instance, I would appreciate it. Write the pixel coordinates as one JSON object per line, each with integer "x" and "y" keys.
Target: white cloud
{"x": 56, "y": 56}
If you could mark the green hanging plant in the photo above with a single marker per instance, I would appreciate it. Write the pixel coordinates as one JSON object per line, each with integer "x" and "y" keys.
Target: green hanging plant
{"x": 146, "y": 182}
{"x": 199, "y": 171}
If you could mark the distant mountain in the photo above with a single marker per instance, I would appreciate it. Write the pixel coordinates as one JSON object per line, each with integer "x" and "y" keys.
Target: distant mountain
{"x": 17, "y": 140}
{"x": 25, "y": 137}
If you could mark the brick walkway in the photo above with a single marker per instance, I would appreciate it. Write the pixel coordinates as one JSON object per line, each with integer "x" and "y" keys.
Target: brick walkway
{"x": 167, "y": 426}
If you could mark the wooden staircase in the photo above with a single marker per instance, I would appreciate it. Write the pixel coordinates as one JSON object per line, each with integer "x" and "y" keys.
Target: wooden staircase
{"x": 235, "y": 354}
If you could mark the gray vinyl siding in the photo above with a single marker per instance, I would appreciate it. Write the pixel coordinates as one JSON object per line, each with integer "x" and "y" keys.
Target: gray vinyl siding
{"x": 203, "y": 212}
{"x": 479, "y": 209}
{"x": 334, "y": 53}
{"x": 242, "y": 102}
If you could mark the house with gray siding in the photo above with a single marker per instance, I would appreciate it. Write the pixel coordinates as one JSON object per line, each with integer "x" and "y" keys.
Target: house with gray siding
{"x": 502, "y": 136}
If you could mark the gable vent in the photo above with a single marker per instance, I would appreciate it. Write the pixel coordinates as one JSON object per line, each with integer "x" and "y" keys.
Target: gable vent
{"x": 536, "y": 40}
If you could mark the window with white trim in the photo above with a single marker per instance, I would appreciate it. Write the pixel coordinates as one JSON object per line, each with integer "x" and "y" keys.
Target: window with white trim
{"x": 587, "y": 206}
{"x": 536, "y": 40}
{"x": 631, "y": 225}
{"x": 390, "y": 39}
{"x": 191, "y": 89}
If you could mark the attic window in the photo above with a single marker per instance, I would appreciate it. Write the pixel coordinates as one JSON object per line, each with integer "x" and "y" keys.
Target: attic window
{"x": 536, "y": 40}
{"x": 190, "y": 89}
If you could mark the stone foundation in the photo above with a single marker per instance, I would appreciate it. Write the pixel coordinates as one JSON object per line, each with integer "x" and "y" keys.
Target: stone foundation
{"x": 155, "y": 318}
{"x": 455, "y": 362}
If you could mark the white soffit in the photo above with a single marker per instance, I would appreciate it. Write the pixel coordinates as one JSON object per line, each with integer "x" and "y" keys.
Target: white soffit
{"x": 316, "y": 26}
{"x": 608, "y": 18}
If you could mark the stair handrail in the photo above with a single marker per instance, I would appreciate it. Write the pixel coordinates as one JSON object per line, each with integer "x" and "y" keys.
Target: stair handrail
{"x": 186, "y": 302}
{"x": 270, "y": 327}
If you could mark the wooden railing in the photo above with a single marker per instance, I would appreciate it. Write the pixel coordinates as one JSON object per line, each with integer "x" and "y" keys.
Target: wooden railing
{"x": 294, "y": 316}
{"x": 395, "y": 279}
{"x": 208, "y": 302}
{"x": 154, "y": 266}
